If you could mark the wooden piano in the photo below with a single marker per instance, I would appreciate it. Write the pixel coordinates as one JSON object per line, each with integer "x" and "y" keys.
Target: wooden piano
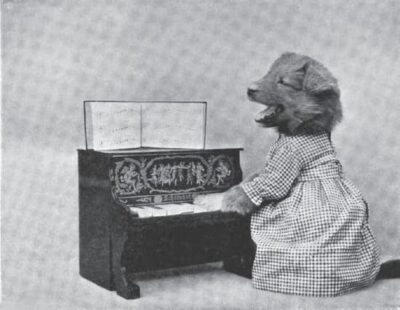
{"x": 135, "y": 214}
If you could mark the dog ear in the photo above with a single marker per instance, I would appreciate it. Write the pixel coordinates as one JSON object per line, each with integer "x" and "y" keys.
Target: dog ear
{"x": 319, "y": 81}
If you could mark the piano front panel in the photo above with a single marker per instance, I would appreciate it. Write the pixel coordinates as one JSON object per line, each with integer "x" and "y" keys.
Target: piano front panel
{"x": 172, "y": 177}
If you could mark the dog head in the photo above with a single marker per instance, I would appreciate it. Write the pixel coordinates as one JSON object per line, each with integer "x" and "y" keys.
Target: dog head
{"x": 300, "y": 95}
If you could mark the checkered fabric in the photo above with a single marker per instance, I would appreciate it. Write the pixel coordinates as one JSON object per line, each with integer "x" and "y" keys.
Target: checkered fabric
{"x": 311, "y": 228}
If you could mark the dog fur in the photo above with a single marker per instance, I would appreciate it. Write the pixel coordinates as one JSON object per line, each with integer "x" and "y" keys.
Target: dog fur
{"x": 301, "y": 95}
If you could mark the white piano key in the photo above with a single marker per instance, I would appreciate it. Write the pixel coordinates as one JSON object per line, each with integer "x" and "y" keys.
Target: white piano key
{"x": 167, "y": 209}
{"x": 173, "y": 209}
{"x": 143, "y": 211}
{"x": 159, "y": 212}
{"x": 199, "y": 209}
{"x": 195, "y": 208}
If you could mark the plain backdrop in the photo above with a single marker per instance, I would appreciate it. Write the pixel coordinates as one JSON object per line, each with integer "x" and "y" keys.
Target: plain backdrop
{"x": 55, "y": 54}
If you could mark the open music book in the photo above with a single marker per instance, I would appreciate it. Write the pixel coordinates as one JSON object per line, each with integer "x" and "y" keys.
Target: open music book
{"x": 122, "y": 124}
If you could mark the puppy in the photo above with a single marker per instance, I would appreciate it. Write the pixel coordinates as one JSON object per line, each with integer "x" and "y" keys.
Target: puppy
{"x": 300, "y": 95}
{"x": 308, "y": 221}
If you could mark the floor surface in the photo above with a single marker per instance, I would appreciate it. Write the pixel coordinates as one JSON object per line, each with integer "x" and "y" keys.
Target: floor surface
{"x": 201, "y": 287}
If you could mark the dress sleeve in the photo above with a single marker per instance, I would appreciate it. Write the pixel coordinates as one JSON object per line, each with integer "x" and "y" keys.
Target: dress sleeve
{"x": 277, "y": 178}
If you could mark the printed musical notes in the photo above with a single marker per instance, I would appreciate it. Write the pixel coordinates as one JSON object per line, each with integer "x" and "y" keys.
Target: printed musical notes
{"x": 174, "y": 125}
{"x": 113, "y": 125}
{"x": 120, "y": 125}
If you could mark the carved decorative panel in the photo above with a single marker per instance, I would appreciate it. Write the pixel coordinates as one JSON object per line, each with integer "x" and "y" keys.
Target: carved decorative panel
{"x": 147, "y": 179}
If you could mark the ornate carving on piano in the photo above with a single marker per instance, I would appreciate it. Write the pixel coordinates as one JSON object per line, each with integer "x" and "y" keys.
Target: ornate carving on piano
{"x": 169, "y": 178}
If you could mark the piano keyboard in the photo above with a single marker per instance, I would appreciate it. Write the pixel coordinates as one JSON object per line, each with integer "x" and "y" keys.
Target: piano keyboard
{"x": 166, "y": 209}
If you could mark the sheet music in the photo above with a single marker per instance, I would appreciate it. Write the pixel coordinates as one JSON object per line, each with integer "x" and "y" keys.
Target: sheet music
{"x": 114, "y": 125}
{"x": 174, "y": 125}
{"x": 127, "y": 125}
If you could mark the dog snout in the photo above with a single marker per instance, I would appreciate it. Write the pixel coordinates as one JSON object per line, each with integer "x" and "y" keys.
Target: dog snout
{"x": 252, "y": 89}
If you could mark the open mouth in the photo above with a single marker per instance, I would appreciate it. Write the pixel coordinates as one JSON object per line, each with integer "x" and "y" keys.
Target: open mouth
{"x": 268, "y": 115}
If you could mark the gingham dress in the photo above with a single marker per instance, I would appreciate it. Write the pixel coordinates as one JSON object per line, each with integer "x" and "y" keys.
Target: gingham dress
{"x": 311, "y": 227}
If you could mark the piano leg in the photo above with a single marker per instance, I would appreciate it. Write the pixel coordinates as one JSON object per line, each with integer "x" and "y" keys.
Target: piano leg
{"x": 124, "y": 286}
{"x": 240, "y": 257}
{"x": 239, "y": 264}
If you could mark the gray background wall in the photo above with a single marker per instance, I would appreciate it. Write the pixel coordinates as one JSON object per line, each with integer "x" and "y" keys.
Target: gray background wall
{"x": 58, "y": 53}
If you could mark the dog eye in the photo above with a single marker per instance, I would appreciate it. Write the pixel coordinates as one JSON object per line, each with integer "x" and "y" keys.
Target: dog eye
{"x": 281, "y": 81}
{"x": 284, "y": 82}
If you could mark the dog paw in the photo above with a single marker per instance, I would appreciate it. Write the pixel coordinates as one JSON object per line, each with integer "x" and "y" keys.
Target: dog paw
{"x": 210, "y": 202}
{"x": 200, "y": 200}
{"x": 236, "y": 200}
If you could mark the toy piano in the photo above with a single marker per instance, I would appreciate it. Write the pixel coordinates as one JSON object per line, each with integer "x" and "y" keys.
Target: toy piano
{"x": 136, "y": 210}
